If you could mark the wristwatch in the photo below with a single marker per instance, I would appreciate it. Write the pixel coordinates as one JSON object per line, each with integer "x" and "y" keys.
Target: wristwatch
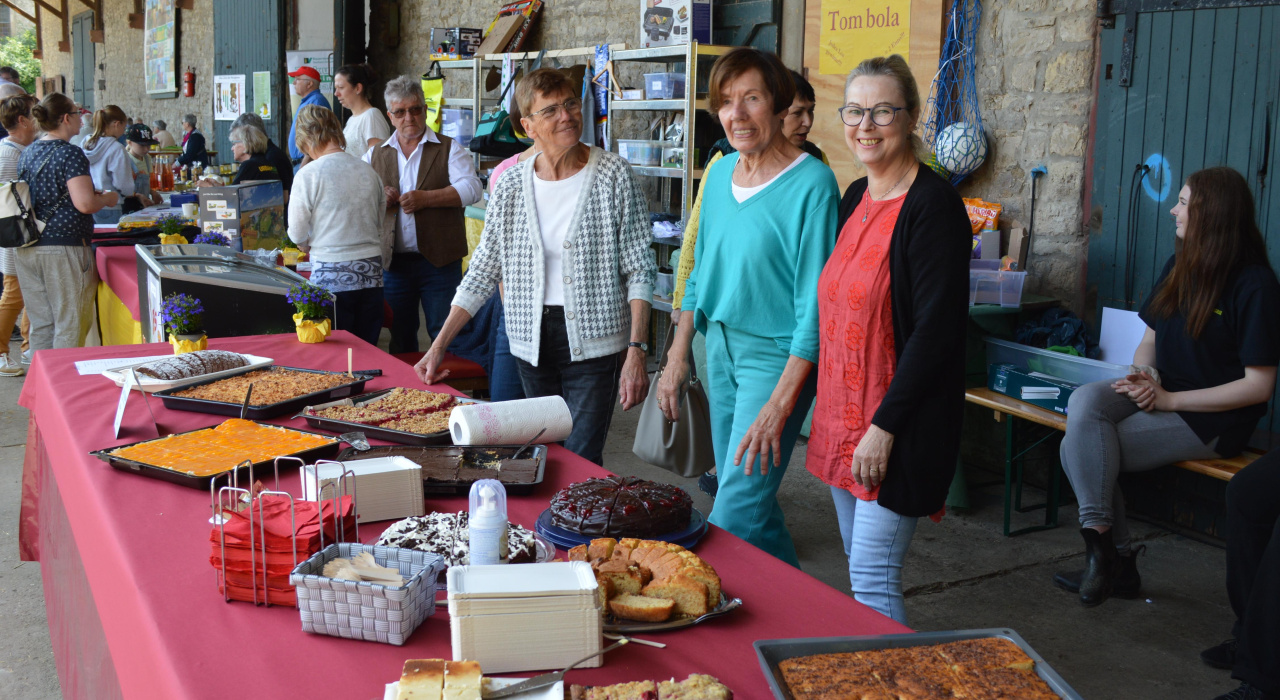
{"x": 644, "y": 347}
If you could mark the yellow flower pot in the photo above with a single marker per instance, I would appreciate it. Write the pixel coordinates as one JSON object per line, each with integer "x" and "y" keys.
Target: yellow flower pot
{"x": 173, "y": 239}
{"x": 188, "y": 343}
{"x": 312, "y": 331}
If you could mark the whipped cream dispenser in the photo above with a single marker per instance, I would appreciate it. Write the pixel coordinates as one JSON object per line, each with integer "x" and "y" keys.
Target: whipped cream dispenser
{"x": 487, "y": 522}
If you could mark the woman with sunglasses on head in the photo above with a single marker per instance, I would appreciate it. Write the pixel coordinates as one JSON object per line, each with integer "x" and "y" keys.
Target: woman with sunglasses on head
{"x": 891, "y": 299}
{"x": 1201, "y": 376}
{"x": 567, "y": 233}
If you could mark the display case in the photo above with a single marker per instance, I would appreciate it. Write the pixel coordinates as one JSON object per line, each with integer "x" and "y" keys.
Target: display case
{"x": 240, "y": 295}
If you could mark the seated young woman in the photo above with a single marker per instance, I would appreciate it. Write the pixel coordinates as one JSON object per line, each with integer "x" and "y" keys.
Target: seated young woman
{"x": 1201, "y": 379}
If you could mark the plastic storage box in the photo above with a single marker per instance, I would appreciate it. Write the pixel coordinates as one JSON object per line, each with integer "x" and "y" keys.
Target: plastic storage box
{"x": 458, "y": 124}
{"x": 640, "y": 152}
{"x": 664, "y": 86}
{"x": 988, "y": 284}
{"x": 1075, "y": 370}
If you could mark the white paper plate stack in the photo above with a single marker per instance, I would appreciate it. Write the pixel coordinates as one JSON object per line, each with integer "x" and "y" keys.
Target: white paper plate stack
{"x": 386, "y": 488}
{"x": 529, "y": 617}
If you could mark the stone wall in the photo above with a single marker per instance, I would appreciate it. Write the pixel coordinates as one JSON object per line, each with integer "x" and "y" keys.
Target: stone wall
{"x": 1036, "y": 63}
{"x": 119, "y": 73}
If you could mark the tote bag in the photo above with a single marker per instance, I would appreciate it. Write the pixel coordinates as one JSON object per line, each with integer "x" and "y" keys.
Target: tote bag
{"x": 683, "y": 447}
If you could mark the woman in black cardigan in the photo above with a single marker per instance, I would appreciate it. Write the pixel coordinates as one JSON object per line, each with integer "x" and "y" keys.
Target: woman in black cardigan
{"x": 893, "y": 304}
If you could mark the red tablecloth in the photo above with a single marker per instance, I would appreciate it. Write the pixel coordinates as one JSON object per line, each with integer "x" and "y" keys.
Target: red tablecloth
{"x": 144, "y": 550}
{"x": 118, "y": 267}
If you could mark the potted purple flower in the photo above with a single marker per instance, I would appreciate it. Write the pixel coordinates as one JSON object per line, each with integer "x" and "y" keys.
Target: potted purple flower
{"x": 183, "y": 318}
{"x": 312, "y": 320}
{"x": 212, "y": 238}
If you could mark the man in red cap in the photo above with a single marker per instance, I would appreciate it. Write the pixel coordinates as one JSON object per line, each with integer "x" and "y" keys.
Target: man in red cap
{"x": 306, "y": 82}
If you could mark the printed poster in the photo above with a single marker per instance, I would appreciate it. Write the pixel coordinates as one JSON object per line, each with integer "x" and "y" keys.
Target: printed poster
{"x": 855, "y": 30}
{"x": 262, "y": 93}
{"x": 228, "y": 97}
{"x": 160, "y": 46}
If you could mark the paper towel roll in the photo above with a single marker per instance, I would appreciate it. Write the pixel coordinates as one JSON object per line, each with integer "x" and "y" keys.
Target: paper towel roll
{"x": 511, "y": 422}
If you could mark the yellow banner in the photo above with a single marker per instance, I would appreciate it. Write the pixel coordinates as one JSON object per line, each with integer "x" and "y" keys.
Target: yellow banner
{"x": 855, "y": 30}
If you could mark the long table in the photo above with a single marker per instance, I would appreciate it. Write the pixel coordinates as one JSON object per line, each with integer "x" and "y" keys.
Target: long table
{"x": 133, "y": 607}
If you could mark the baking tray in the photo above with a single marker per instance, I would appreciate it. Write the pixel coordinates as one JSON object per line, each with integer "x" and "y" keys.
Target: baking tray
{"x": 264, "y": 412}
{"x": 202, "y": 482}
{"x": 151, "y": 384}
{"x": 373, "y": 431}
{"x": 456, "y": 488}
{"x": 771, "y": 652}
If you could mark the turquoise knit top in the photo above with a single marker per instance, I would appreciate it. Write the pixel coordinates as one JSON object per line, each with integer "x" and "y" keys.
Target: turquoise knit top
{"x": 756, "y": 264}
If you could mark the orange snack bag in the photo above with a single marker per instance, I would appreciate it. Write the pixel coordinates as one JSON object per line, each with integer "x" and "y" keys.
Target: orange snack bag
{"x": 982, "y": 214}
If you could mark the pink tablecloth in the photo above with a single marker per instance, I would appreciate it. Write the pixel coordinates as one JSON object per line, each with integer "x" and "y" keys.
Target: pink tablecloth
{"x": 118, "y": 267}
{"x": 143, "y": 549}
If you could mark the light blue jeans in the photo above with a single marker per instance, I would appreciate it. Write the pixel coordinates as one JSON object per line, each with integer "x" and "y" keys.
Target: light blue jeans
{"x": 875, "y": 542}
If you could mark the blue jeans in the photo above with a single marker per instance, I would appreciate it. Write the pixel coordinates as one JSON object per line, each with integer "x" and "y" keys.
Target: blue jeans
{"x": 504, "y": 378}
{"x": 590, "y": 387}
{"x": 875, "y": 542}
{"x": 411, "y": 281}
{"x": 360, "y": 311}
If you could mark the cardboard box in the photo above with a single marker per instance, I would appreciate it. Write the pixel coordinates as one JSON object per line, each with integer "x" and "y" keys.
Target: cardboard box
{"x": 674, "y": 22}
{"x": 1019, "y": 242}
{"x": 990, "y": 244}
{"x": 1034, "y": 388}
{"x": 252, "y": 214}
{"x": 452, "y": 43}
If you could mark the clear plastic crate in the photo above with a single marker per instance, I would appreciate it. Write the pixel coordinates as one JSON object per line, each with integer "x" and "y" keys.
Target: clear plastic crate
{"x": 458, "y": 124}
{"x": 988, "y": 284}
{"x": 1075, "y": 370}
{"x": 664, "y": 86}
{"x": 641, "y": 152}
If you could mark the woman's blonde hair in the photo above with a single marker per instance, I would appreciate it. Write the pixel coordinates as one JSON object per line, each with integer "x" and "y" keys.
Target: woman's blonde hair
{"x": 254, "y": 140}
{"x": 318, "y": 126}
{"x": 102, "y": 119}
{"x": 896, "y": 69}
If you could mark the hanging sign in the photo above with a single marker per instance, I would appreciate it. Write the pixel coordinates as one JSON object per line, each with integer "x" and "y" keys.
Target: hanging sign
{"x": 852, "y": 31}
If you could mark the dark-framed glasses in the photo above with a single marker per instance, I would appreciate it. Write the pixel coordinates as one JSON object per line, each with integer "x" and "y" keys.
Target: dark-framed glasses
{"x": 415, "y": 111}
{"x": 881, "y": 115}
{"x": 572, "y": 105}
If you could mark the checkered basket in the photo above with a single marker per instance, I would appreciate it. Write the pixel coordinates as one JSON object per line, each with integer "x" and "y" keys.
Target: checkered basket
{"x": 364, "y": 610}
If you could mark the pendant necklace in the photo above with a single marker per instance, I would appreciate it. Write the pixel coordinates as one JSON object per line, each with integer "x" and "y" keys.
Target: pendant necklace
{"x": 866, "y": 211}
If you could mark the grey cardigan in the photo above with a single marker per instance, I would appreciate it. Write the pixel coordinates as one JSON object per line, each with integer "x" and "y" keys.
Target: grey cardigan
{"x": 607, "y": 260}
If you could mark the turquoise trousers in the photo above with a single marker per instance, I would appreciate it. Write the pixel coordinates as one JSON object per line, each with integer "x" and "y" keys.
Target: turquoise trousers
{"x": 742, "y": 372}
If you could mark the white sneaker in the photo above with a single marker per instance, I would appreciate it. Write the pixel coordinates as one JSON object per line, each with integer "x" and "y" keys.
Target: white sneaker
{"x": 26, "y": 358}
{"x": 9, "y": 368}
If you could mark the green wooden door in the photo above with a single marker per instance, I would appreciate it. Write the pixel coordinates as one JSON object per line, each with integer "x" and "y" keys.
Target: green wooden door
{"x": 248, "y": 37}
{"x": 1205, "y": 91}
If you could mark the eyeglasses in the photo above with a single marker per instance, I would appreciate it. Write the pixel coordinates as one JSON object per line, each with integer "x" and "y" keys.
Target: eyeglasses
{"x": 881, "y": 115}
{"x": 415, "y": 111}
{"x": 572, "y": 105}
{"x": 237, "y": 143}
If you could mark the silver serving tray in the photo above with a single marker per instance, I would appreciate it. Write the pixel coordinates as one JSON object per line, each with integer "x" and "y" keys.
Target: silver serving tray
{"x": 617, "y": 625}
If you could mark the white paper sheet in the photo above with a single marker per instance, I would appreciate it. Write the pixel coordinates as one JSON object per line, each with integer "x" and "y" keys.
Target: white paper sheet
{"x": 100, "y": 366}
{"x": 1121, "y": 332}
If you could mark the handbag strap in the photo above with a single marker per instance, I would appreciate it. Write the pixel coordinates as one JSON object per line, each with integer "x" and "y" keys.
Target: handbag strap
{"x": 666, "y": 349}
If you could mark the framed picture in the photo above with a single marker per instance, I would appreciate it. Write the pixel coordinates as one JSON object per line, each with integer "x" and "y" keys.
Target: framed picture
{"x": 160, "y": 48}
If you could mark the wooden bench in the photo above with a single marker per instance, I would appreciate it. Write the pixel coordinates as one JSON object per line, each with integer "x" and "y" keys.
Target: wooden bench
{"x": 1005, "y": 406}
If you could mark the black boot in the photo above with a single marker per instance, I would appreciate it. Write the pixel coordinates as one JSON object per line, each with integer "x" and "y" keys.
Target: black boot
{"x": 1101, "y": 563}
{"x": 1128, "y": 583}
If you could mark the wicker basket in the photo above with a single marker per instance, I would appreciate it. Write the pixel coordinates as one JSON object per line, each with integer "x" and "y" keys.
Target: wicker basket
{"x": 363, "y": 610}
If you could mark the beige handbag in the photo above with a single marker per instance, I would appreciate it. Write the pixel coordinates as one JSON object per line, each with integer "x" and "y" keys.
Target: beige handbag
{"x": 683, "y": 447}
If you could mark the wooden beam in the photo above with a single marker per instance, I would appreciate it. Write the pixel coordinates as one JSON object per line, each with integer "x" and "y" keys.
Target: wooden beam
{"x": 48, "y": 8}
{"x": 186, "y": 4}
{"x": 19, "y": 10}
{"x": 137, "y": 20}
{"x": 65, "y": 45}
{"x": 39, "y": 50}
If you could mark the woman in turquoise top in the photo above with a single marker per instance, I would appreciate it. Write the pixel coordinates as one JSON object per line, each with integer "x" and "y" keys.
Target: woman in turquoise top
{"x": 768, "y": 225}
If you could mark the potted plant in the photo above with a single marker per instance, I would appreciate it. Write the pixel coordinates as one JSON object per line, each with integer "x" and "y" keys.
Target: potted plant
{"x": 171, "y": 226}
{"x": 312, "y": 320}
{"x": 183, "y": 318}
{"x": 213, "y": 238}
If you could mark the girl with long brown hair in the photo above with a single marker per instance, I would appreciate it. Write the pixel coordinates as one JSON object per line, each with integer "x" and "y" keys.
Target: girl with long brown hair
{"x": 1201, "y": 377}
{"x": 108, "y": 161}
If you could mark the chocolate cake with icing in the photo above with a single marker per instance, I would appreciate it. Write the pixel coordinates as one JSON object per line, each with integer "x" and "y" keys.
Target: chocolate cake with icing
{"x": 446, "y": 534}
{"x": 621, "y": 507}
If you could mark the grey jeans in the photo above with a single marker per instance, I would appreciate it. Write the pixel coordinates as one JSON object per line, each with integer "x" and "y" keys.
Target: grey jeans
{"x": 58, "y": 285}
{"x": 1108, "y": 434}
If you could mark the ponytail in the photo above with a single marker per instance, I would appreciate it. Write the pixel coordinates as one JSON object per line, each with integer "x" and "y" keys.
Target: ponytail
{"x": 102, "y": 120}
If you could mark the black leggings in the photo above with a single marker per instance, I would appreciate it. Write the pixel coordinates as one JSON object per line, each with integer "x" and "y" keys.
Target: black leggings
{"x": 1253, "y": 570}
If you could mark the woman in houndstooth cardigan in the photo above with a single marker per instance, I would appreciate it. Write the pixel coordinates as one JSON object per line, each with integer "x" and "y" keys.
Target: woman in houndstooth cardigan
{"x": 567, "y": 234}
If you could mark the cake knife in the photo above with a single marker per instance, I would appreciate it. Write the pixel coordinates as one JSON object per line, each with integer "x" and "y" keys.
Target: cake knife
{"x": 547, "y": 679}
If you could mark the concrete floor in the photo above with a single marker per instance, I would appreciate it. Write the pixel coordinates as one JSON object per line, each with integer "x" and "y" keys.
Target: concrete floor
{"x": 960, "y": 574}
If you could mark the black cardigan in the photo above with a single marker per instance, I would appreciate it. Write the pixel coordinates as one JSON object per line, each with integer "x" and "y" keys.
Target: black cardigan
{"x": 929, "y": 287}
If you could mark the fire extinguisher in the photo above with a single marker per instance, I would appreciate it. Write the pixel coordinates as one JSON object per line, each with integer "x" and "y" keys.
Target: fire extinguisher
{"x": 189, "y": 83}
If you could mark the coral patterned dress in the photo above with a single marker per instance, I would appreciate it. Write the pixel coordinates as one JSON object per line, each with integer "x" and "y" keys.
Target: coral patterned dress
{"x": 856, "y": 359}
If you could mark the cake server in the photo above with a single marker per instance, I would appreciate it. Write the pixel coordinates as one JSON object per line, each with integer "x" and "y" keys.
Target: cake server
{"x": 547, "y": 679}
{"x": 244, "y": 407}
{"x": 525, "y": 446}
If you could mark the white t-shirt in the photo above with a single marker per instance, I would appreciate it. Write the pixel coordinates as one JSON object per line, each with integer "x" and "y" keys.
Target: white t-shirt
{"x": 359, "y": 129}
{"x": 555, "y": 202}
{"x": 742, "y": 194}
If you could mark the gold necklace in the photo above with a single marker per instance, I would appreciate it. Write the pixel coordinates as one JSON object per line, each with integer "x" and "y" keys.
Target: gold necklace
{"x": 866, "y": 210}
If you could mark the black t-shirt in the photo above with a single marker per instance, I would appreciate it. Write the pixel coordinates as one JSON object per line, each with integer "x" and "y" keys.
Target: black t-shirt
{"x": 280, "y": 159}
{"x": 257, "y": 167}
{"x": 47, "y": 165}
{"x": 1243, "y": 331}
